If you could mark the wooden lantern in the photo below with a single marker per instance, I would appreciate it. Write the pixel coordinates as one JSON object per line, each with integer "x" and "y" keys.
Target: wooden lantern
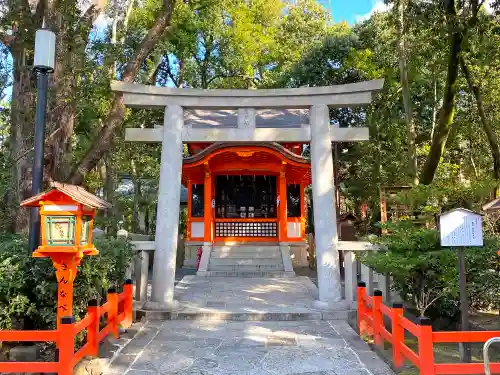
{"x": 67, "y": 217}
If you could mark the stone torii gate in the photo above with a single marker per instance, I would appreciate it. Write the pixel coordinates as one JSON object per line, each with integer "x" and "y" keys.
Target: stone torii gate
{"x": 317, "y": 132}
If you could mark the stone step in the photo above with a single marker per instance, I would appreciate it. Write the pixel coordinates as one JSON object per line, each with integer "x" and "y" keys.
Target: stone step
{"x": 243, "y": 248}
{"x": 246, "y": 255}
{"x": 246, "y": 268}
{"x": 272, "y": 274}
{"x": 246, "y": 243}
{"x": 242, "y": 316}
{"x": 245, "y": 261}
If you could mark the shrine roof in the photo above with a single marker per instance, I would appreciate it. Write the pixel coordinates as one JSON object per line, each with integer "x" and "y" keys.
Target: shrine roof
{"x": 77, "y": 193}
{"x": 228, "y": 145}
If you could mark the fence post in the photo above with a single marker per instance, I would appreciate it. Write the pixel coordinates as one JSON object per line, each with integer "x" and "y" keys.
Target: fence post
{"x": 113, "y": 312}
{"x": 367, "y": 276}
{"x": 426, "y": 347}
{"x": 128, "y": 289}
{"x": 350, "y": 275}
{"x": 66, "y": 345}
{"x": 398, "y": 334}
{"x": 378, "y": 318}
{"x": 141, "y": 275}
{"x": 93, "y": 328}
{"x": 361, "y": 306}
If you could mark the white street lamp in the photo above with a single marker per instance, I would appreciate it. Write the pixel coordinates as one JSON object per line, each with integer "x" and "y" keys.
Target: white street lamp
{"x": 44, "y": 63}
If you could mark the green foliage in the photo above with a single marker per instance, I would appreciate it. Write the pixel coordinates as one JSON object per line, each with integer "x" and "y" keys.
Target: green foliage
{"x": 28, "y": 285}
{"x": 483, "y": 274}
{"x": 422, "y": 271}
{"x": 98, "y": 273}
{"x": 426, "y": 275}
{"x": 443, "y": 196}
{"x": 183, "y": 221}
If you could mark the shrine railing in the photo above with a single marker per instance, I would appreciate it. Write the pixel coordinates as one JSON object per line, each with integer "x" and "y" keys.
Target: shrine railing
{"x": 117, "y": 311}
{"x": 371, "y": 315}
{"x": 267, "y": 228}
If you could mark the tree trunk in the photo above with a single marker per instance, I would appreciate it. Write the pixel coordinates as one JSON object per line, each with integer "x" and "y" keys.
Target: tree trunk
{"x": 109, "y": 191}
{"x": 21, "y": 136}
{"x": 137, "y": 197}
{"x": 117, "y": 113}
{"x": 490, "y": 132}
{"x": 447, "y": 112}
{"x": 146, "y": 220}
{"x": 408, "y": 106}
{"x": 61, "y": 109}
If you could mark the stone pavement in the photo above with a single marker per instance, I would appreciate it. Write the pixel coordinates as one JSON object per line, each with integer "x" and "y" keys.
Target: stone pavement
{"x": 246, "y": 348}
{"x": 234, "y": 298}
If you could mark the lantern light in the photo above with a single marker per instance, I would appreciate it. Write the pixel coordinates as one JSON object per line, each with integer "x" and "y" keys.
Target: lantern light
{"x": 60, "y": 230}
{"x": 45, "y": 50}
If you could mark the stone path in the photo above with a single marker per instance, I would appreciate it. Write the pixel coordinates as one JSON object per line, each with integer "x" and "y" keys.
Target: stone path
{"x": 234, "y": 298}
{"x": 246, "y": 348}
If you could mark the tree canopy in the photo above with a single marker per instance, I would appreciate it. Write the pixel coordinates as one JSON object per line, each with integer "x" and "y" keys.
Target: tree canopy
{"x": 437, "y": 119}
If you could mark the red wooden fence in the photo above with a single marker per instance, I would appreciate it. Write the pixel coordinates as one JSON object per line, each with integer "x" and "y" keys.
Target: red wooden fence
{"x": 371, "y": 312}
{"x": 118, "y": 311}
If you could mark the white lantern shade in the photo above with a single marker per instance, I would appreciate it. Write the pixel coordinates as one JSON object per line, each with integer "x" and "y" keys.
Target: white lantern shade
{"x": 45, "y": 50}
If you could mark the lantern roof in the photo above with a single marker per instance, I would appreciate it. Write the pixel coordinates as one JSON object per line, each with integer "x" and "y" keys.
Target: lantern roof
{"x": 77, "y": 193}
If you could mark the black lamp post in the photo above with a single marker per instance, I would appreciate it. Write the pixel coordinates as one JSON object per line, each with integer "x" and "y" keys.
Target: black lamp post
{"x": 44, "y": 62}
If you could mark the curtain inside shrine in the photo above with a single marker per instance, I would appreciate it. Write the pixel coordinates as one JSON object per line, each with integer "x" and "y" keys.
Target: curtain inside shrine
{"x": 245, "y": 196}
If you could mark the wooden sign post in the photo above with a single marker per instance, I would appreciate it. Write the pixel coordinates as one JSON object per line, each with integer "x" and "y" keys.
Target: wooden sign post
{"x": 461, "y": 228}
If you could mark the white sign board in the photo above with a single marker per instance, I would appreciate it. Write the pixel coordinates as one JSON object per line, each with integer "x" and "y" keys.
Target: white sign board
{"x": 461, "y": 227}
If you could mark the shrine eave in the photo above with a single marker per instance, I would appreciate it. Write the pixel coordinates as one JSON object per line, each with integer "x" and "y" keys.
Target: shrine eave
{"x": 218, "y": 147}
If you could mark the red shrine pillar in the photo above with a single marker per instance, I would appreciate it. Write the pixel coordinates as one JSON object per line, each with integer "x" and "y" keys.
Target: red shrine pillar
{"x": 283, "y": 216}
{"x": 207, "y": 207}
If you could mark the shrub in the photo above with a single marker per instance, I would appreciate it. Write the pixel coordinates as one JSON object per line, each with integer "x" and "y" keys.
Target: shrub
{"x": 483, "y": 274}
{"x": 28, "y": 285}
{"x": 426, "y": 275}
{"x": 422, "y": 272}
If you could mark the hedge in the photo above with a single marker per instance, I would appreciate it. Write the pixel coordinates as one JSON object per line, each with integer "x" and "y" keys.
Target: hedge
{"x": 28, "y": 286}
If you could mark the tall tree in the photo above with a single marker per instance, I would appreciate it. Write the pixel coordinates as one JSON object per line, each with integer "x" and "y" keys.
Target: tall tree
{"x": 405, "y": 86}
{"x": 459, "y": 18}
{"x": 487, "y": 127}
{"x": 71, "y": 24}
{"x": 116, "y": 115}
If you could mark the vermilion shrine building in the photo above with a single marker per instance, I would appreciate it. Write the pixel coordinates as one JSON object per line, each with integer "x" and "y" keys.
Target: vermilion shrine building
{"x": 246, "y": 176}
{"x": 246, "y": 193}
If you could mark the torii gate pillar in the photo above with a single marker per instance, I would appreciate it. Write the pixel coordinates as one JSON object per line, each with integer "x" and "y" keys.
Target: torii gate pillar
{"x": 167, "y": 218}
{"x": 325, "y": 216}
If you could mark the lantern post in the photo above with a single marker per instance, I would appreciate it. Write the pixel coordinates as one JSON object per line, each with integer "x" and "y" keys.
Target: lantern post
{"x": 66, "y": 219}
